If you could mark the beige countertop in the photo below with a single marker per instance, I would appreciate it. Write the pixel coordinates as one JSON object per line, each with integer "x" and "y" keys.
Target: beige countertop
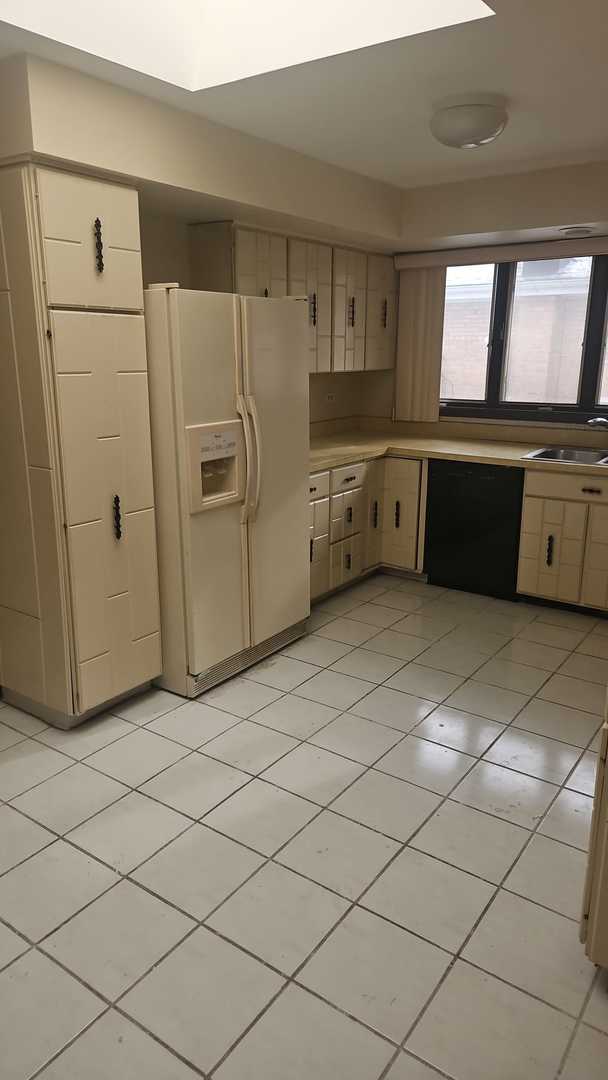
{"x": 330, "y": 451}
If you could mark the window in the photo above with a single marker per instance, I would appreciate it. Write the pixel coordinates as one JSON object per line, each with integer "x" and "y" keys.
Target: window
{"x": 469, "y": 291}
{"x": 526, "y": 340}
{"x": 545, "y": 341}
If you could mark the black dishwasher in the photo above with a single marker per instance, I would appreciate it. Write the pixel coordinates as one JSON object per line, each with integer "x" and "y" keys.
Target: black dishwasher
{"x": 472, "y": 527}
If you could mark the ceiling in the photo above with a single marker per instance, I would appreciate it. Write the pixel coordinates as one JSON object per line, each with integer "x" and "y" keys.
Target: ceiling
{"x": 368, "y": 110}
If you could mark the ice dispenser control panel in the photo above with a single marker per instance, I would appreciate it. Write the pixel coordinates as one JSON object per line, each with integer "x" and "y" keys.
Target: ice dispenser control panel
{"x": 216, "y": 464}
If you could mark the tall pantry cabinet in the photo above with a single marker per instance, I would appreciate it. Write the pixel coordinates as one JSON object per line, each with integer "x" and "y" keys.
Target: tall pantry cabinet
{"x": 79, "y": 613}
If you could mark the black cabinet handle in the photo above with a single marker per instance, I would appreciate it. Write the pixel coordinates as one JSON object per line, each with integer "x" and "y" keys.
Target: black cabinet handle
{"x": 313, "y": 309}
{"x": 351, "y": 311}
{"x": 348, "y": 562}
{"x": 550, "y": 543}
{"x": 349, "y": 515}
{"x": 266, "y": 294}
{"x": 591, "y": 491}
{"x": 312, "y": 489}
{"x": 311, "y": 543}
{"x": 98, "y": 245}
{"x": 375, "y": 514}
{"x": 385, "y": 314}
{"x": 349, "y": 479}
{"x": 397, "y": 514}
{"x": 117, "y": 517}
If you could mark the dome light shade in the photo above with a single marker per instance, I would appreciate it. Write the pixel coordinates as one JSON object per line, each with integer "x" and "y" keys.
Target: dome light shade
{"x": 469, "y": 124}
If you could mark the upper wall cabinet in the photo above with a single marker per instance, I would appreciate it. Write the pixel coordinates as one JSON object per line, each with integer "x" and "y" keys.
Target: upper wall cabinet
{"x": 309, "y": 273}
{"x": 90, "y": 241}
{"x": 382, "y": 303}
{"x": 260, "y": 264}
{"x": 227, "y": 258}
{"x": 349, "y": 310}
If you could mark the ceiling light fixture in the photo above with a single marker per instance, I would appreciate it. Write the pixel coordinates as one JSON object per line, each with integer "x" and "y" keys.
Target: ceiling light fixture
{"x": 576, "y": 232}
{"x": 466, "y": 123}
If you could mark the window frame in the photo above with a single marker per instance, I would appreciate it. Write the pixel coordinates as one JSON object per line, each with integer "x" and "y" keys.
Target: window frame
{"x": 586, "y": 406}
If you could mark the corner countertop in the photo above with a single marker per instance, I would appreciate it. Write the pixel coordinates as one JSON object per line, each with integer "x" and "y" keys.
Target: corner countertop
{"x": 330, "y": 451}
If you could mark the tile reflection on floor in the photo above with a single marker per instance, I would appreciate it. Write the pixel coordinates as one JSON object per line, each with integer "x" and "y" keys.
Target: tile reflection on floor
{"x": 362, "y": 859}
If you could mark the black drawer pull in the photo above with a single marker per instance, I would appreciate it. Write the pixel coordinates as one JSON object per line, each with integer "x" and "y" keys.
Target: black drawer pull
{"x": 591, "y": 491}
{"x": 349, "y": 479}
{"x": 312, "y": 489}
{"x": 266, "y": 294}
{"x": 349, "y": 515}
{"x": 117, "y": 517}
{"x": 550, "y": 543}
{"x": 313, "y": 309}
{"x": 375, "y": 515}
{"x": 348, "y": 562}
{"x": 385, "y": 314}
{"x": 351, "y": 311}
{"x": 98, "y": 245}
{"x": 397, "y": 514}
{"x": 311, "y": 546}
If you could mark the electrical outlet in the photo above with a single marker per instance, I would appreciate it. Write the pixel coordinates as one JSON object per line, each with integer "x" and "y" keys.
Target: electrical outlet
{"x": 331, "y": 397}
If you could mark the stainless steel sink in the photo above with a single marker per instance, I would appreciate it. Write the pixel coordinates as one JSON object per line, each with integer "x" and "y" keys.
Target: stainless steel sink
{"x": 568, "y": 454}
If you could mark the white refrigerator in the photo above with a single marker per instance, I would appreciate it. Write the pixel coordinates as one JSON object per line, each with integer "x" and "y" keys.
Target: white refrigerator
{"x": 594, "y": 924}
{"x": 228, "y": 382}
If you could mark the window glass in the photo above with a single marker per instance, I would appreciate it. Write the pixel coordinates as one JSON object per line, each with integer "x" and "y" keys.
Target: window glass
{"x": 544, "y": 348}
{"x": 466, "y": 327}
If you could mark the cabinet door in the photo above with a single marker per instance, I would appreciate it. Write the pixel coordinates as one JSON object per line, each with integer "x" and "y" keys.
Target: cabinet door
{"x": 90, "y": 240}
{"x": 319, "y": 566}
{"x": 320, "y": 517}
{"x": 401, "y": 512}
{"x": 102, "y": 399}
{"x": 349, "y": 310}
{"x": 594, "y": 591}
{"x": 382, "y": 303}
{"x": 309, "y": 274}
{"x": 260, "y": 264}
{"x": 373, "y": 503}
{"x": 552, "y": 548}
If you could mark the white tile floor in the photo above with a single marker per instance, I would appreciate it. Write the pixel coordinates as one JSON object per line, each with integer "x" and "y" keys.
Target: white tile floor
{"x": 362, "y": 859}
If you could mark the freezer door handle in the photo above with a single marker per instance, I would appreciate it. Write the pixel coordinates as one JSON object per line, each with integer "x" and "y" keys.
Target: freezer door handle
{"x": 241, "y": 408}
{"x": 257, "y": 438}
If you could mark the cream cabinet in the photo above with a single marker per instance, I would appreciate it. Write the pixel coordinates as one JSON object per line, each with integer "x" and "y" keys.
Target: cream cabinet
{"x": 319, "y": 534}
{"x": 399, "y": 544}
{"x": 349, "y": 310}
{"x": 345, "y": 563}
{"x": 309, "y": 272}
{"x": 225, "y": 257}
{"x": 373, "y": 513}
{"x": 90, "y": 242}
{"x": 594, "y": 587}
{"x": 563, "y": 546}
{"x": 552, "y": 548}
{"x": 345, "y": 514}
{"x": 381, "y": 318}
{"x": 79, "y": 626}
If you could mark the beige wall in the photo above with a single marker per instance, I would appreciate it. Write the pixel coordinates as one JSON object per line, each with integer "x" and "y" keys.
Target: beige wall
{"x": 164, "y": 249}
{"x": 351, "y": 394}
{"x": 503, "y": 209}
{"x": 122, "y": 132}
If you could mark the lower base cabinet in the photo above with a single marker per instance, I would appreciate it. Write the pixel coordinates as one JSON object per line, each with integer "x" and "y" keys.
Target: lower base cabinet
{"x": 373, "y": 513}
{"x": 563, "y": 548}
{"x": 401, "y": 513}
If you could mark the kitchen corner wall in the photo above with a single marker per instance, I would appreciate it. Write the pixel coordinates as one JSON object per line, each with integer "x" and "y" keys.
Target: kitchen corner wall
{"x": 351, "y": 394}
{"x": 165, "y": 253}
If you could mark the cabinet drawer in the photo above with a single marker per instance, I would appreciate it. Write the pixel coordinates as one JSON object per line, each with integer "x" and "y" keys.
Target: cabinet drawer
{"x": 319, "y": 517}
{"x": 565, "y": 486}
{"x": 345, "y": 514}
{"x": 345, "y": 563}
{"x": 90, "y": 233}
{"x": 347, "y": 477}
{"x": 319, "y": 485}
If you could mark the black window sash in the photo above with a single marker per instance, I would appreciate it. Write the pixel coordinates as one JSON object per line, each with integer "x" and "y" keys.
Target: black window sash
{"x": 492, "y": 407}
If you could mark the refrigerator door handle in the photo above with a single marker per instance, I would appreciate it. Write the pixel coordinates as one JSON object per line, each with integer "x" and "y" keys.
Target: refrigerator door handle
{"x": 253, "y": 413}
{"x": 241, "y": 408}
